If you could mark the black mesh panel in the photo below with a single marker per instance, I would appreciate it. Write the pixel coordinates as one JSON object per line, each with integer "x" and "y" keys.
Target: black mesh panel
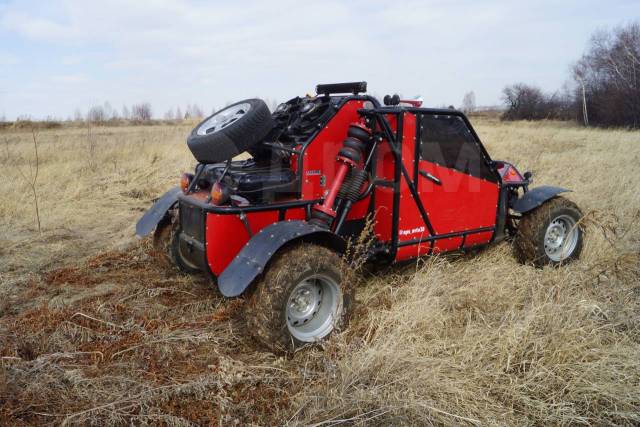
{"x": 447, "y": 141}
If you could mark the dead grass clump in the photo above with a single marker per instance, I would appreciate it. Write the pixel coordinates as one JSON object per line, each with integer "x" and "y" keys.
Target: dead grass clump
{"x": 160, "y": 348}
{"x": 69, "y": 276}
{"x": 483, "y": 340}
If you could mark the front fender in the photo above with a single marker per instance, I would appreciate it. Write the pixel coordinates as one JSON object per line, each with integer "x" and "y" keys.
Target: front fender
{"x": 255, "y": 255}
{"x": 152, "y": 217}
{"x": 536, "y": 197}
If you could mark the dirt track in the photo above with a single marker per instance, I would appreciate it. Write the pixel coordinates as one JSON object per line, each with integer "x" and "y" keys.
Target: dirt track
{"x": 122, "y": 325}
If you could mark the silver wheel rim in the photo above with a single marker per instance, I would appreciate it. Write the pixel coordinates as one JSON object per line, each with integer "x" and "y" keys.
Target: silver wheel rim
{"x": 223, "y": 119}
{"x": 561, "y": 238}
{"x": 312, "y": 308}
{"x": 185, "y": 261}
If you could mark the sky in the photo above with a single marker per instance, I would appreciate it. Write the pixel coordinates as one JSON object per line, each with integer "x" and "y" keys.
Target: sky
{"x": 57, "y": 56}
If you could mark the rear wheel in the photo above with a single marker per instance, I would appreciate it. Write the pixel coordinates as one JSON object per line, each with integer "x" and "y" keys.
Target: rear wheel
{"x": 166, "y": 241}
{"x": 162, "y": 240}
{"x": 551, "y": 234}
{"x": 301, "y": 299}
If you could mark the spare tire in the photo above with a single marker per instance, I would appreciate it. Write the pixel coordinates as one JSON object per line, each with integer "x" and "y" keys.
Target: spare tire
{"x": 230, "y": 131}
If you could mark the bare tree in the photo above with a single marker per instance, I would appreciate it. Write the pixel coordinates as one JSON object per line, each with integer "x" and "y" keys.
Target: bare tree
{"x": 607, "y": 78}
{"x": 141, "y": 112}
{"x": 196, "y": 111}
{"x": 125, "y": 113}
{"x": 469, "y": 102}
{"x": 6, "y": 146}
{"x": 526, "y": 102}
{"x": 91, "y": 145}
{"x": 522, "y": 102}
{"x": 96, "y": 114}
{"x": 169, "y": 114}
{"x": 108, "y": 111}
{"x": 32, "y": 178}
{"x": 193, "y": 111}
{"x": 179, "y": 114}
{"x": 77, "y": 115}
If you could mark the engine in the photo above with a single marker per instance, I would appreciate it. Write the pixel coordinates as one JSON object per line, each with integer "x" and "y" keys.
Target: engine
{"x": 267, "y": 175}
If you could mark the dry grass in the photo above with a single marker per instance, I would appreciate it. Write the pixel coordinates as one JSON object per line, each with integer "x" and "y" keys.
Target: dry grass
{"x": 93, "y": 330}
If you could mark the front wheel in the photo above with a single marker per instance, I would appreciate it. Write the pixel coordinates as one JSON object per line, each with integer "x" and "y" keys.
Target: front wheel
{"x": 550, "y": 235}
{"x": 301, "y": 299}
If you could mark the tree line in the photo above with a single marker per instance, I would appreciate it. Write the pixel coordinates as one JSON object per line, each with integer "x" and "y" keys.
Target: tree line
{"x": 141, "y": 112}
{"x": 603, "y": 87}
{"x": 105, "y": 113}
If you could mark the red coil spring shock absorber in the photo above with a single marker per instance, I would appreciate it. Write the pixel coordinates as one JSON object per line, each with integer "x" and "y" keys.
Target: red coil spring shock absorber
{"x": 350, "y": 156}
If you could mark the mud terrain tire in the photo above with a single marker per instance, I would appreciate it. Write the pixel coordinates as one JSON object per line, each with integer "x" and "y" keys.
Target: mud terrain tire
{"x": 230, "y": 131}
{"x": 167, "y": 244}
{"x": 529, "y": 244}
{"x": 267, "y": 311}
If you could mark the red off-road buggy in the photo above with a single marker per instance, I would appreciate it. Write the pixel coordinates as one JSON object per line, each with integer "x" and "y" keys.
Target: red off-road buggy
{"x": 275, "y": 225}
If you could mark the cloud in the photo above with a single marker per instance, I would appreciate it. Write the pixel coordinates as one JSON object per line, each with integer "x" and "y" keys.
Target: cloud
{"x": 36, "y": 27}
{"x": 7, "y": 59}
{"x": 69, "y": 79}
{"x": 71, "y": 60}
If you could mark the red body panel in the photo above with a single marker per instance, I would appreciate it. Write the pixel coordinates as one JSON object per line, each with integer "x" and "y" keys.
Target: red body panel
{"x": 319, "y": 163}
{"x": 461, "y": 203}
{"x": 477, "y": 239}
{"x": 226, "y": 235}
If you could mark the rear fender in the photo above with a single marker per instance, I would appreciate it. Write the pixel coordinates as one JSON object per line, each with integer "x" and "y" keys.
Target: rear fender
{"x": 536, "y": 197}
{"x": 255, "y": 255}
{"x": 154, "y": 215}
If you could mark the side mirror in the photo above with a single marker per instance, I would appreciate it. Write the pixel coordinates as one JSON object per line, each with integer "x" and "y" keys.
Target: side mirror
{"x": 527, "y": 175}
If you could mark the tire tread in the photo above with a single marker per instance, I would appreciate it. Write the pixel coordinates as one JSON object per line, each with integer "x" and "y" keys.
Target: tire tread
{"x": 264, "y": 310}
{"x": 532, "y": 227}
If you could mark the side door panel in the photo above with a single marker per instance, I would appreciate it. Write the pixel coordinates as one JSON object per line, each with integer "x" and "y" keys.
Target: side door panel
{"x": 456, "y": 183}
{"x": 460, "y": 203}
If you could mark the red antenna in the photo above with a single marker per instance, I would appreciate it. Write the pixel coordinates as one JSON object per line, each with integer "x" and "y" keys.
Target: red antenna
{"x": 416, "y": 102}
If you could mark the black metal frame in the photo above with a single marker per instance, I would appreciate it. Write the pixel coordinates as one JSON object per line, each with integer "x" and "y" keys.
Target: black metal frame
{"x": 234, "y": 210}
{"x": 462, "y": 234}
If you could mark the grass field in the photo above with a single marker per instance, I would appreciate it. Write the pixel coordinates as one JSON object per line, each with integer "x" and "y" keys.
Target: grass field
{"x": 94, "y": 330}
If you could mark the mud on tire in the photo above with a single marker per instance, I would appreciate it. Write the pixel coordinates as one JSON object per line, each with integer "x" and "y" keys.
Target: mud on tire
{"x": 269, "y": 320}
{"x": 529, "y": 244}
{"x": 167, "y": 244}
